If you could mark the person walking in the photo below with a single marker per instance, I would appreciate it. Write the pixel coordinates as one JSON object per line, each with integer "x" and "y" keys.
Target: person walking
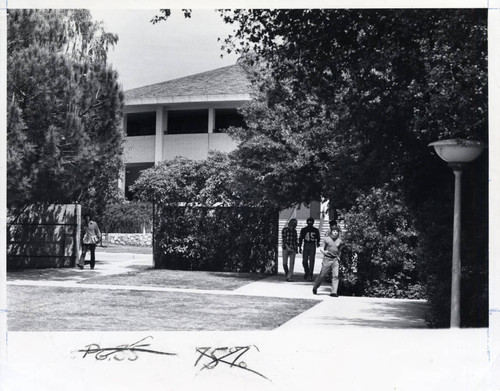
{"x": 91, "y": 235}
{"x": 331, "y": 256}
{"x": 289, "y": 247}
{"x": 310, "y": 236}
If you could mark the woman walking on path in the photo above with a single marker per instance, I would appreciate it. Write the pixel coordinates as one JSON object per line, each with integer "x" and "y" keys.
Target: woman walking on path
{"x": 331, "y": 252}
{"x": 91, "y": 235}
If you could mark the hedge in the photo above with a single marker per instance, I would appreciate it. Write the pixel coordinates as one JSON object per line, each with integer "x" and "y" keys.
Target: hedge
{"x": 226, "y": 239}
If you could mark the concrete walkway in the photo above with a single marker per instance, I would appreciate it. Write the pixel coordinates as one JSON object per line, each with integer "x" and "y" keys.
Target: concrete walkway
{"x": 329, "y": 312}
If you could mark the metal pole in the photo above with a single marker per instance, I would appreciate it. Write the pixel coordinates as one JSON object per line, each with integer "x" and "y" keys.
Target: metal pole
{"x": 456, "y": 262}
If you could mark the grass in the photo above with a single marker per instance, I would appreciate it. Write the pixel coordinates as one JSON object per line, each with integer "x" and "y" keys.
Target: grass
{"x": 119, "y": 248}
{"x": 73, "y": 309}
{"x": 147, "y": 276}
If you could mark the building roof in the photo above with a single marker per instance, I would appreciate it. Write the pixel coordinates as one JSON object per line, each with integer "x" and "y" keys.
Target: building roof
{"x": 229, "y": 81}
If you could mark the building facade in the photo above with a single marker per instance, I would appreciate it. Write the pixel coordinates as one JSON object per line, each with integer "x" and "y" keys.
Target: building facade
{"x": 186, "y": 117}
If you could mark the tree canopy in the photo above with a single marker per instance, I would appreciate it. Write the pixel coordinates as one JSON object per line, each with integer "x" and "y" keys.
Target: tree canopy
{"x": 346, "y": 103}
{"x": 207, "y": 182}
{"x": 64, "y": 109}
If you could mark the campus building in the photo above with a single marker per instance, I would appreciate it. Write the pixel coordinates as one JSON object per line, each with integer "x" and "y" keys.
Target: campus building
{"x": 186, "y": 117}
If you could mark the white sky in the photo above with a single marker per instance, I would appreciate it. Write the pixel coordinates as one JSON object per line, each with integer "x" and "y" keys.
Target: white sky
{"x": 148, "y": 54}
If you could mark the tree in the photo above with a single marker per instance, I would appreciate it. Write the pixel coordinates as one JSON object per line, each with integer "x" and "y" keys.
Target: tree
{"x": 189, "y": 182}
{"x": 64, "y": 109}
{"x": 355, "y": 96}
{"x": 345, "y": 103}
{"x": 363, "y": 90}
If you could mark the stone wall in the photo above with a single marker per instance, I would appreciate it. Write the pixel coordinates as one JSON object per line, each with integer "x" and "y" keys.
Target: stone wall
{"x": 143, "y": 240}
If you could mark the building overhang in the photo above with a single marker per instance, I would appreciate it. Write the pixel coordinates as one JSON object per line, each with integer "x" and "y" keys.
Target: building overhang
{"x": 187, "y": 99}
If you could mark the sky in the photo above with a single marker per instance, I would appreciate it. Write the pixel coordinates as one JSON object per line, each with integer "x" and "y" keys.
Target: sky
{"x": 147, "y": 54}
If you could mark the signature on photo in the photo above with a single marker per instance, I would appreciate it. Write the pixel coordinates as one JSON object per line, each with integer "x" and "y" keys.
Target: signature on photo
{"x": 210, "y": 357}
{"x": 129, "y": 352}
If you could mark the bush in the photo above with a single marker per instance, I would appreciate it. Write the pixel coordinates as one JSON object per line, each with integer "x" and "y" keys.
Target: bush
{"x": 379, "y": 229}
{"x": 229, "y": 239}
{"x": 128, "y": 217}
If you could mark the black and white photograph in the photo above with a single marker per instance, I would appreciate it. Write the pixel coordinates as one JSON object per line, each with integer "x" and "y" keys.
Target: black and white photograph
{"x": 224, "y": 197}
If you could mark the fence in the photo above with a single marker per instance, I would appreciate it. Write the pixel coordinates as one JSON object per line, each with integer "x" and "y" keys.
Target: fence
{"x": 44, "y": 236}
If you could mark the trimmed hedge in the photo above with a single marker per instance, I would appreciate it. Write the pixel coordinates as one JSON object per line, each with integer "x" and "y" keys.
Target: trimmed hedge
{"x": 226, "y": 239}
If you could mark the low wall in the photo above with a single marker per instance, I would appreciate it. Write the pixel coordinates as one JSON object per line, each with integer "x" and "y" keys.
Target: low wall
{"x": 143, "y": 240}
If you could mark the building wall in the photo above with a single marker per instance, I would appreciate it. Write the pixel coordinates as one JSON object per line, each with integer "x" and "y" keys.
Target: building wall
{"x": 221, "y": 142}
{"x": 139, "y": 149}
{"x": 191, "y": 146}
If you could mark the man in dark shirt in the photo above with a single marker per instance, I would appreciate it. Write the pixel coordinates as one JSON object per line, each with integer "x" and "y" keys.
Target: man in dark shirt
{"x": 289, "y": 246}
{"x": 310, "y": 236}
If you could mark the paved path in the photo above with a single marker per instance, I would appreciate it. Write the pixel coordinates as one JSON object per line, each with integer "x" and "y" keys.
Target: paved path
{"x": 329, "y": 312}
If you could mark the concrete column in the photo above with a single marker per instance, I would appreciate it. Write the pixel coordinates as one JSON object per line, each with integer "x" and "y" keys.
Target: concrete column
{"x": 160, "y": 131}
{"x": 124, "y": 124}
{"x": 211, "y": 120}
{"x": 121, "y": 180}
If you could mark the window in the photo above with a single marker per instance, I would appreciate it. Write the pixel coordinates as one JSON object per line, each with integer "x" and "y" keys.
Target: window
{"x": 141, "y": 124}
{"x": 132, "y": 172}
{"x": 224, "y": 118}
{"x": 187, "y": 121}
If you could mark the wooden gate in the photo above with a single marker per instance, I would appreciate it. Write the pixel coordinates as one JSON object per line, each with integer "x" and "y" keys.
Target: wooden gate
{"x": 44, "y": 236}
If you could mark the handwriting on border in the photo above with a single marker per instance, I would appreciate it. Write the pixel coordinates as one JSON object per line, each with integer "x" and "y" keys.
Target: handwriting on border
{"x": 210, "y": 358}
{"x": 129, "y": 352}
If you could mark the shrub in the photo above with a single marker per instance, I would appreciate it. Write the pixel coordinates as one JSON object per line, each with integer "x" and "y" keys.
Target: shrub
{"x": 202, "y": 222}
{"x": 379, "y": 229}
{"x": 236, "y": 239}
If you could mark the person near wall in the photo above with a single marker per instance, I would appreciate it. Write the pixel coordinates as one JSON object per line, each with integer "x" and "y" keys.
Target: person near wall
{"x": 310, "y": 237}
{"x": 331, "y": 256}
{"x": 91, "y": 235}
{"x": 289, "y": 246}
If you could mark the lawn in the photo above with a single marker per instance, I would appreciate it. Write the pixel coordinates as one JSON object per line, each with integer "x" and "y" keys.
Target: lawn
{"x": 120, "y": 248}
{"x": 147, "y": 276}
{"x": 73, "y": 309}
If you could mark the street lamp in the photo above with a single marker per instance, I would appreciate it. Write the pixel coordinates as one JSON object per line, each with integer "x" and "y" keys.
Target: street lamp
{"x": 457, "y": 152}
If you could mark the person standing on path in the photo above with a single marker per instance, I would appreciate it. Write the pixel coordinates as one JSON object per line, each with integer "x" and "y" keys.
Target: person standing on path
{"x": 331, "y": 257}
{"x": 289, "y": 246}
{"x": 310, "y": 236}
{"x": 91, "y": 235}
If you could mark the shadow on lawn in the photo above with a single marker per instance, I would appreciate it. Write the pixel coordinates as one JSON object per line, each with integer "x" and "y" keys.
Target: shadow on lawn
{"x": 54, "y": 274}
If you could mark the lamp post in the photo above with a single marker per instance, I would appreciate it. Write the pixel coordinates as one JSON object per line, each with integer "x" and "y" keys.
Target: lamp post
{"x": 457, "y": 152}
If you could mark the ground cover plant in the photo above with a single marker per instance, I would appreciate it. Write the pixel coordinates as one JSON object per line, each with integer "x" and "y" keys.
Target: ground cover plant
{"x": 71, "y": 309}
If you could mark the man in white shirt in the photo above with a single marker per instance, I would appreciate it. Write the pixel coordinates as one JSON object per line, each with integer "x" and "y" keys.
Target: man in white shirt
{"x": 331, "y": 257}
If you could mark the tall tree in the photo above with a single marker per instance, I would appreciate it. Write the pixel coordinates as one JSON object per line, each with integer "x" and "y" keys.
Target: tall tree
{"x": 361, "y": 91}
{"x": 64, "y": 109}
{"x": 354, "y": 97}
